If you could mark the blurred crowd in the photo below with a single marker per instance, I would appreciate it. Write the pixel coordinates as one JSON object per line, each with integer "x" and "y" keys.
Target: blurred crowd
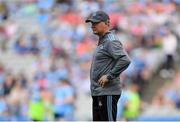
{"x": 166, "y": 103}
{"x": 54, "y": 33}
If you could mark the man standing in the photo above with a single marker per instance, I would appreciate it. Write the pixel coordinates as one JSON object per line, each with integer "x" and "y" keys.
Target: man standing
{"x": 109, "y": 60}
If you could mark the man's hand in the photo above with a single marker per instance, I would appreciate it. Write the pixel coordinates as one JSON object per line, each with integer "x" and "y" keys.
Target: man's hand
{"x": 103, "y": 80}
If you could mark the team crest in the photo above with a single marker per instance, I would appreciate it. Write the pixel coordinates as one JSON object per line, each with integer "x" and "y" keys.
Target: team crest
{"x": 100, "y": 103}
{"x": 101, "y": 47}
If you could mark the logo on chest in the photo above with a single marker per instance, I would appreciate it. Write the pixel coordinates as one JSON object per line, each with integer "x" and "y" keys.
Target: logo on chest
{"x": 101, "y": 47}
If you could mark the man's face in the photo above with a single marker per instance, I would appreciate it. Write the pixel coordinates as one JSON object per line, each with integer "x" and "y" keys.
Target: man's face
{"x": 98, "y": 27}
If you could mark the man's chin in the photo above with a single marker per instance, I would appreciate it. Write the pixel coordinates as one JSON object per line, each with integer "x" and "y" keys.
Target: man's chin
{"x": 96, "y": 33}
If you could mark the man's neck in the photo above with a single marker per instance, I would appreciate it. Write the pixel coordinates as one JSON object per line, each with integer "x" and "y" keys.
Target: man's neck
{"x": 102, "y": 34}
{"x": 101, "y": 37}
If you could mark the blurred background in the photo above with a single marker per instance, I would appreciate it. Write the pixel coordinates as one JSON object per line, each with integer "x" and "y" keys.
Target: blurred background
{"x": 46, "y": 50}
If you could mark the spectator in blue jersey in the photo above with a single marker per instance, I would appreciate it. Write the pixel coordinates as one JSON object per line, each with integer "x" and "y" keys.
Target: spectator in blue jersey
{"x": 63, "y": 101}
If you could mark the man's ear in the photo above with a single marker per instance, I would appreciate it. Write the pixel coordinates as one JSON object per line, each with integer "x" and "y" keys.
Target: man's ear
{"x": 107, "y": 22}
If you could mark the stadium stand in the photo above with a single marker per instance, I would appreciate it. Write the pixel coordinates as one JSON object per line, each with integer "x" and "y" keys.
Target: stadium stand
{"x": 46, "y": 50}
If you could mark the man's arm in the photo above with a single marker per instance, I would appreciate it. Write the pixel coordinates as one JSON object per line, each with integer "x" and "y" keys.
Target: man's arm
{"x": 122, "y": 61}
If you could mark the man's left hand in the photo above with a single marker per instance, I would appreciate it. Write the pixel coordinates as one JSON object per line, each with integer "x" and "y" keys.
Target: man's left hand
{"x": 103, "y": 80}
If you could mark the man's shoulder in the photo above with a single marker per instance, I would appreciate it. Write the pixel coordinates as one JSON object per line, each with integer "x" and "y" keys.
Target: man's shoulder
{"x": 111, "y": 37}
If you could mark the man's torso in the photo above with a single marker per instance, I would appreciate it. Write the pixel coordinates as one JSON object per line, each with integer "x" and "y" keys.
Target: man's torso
{"x": 102, "y": 63}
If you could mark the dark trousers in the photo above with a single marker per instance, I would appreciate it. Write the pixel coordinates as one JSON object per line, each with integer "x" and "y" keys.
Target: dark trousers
{"x": 105, "y": 107}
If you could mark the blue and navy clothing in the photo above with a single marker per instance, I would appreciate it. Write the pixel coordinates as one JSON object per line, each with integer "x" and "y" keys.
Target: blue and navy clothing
{"x": 63, "y": 109}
